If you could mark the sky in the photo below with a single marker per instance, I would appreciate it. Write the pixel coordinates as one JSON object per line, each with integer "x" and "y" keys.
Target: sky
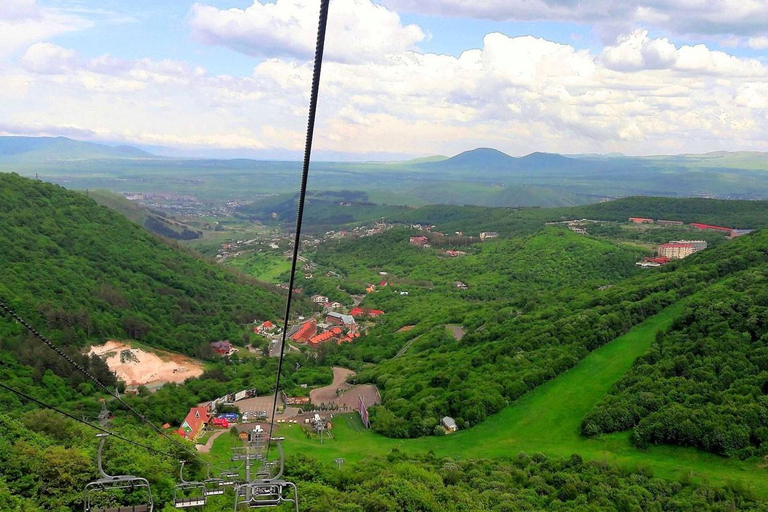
{"x": 401, "y": 78}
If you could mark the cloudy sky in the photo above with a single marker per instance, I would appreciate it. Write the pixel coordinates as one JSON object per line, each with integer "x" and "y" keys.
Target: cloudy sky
{"x": 401, "y": 77}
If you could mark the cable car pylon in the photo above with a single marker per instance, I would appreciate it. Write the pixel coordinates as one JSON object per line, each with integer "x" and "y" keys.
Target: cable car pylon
{"x": 265, "y": 489}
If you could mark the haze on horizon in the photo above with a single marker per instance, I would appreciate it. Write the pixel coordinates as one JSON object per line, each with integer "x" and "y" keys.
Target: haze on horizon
{"x": 402, "y": 78}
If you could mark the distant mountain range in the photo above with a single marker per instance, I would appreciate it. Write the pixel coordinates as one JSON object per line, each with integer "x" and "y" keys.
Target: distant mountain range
{"x": 43, "y": 149}
{"x": 494, "y": 161}
{"x": 31, "y": 149}
{"x": 482, "y": 176}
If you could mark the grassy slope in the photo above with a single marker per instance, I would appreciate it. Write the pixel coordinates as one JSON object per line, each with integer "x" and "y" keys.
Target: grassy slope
{"x": 267, "y": 267}
{"x": 547, "y": 420}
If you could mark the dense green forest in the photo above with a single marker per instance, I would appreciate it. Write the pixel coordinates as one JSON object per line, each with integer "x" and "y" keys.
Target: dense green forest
{"x": 534, "y": 307}
{"x": 48, "y": 459}
{"x": 336, "y": 210}
{"x": 526, "y": 482}
{"x": 704, "y": 383}
{"x": 82, "y": 273}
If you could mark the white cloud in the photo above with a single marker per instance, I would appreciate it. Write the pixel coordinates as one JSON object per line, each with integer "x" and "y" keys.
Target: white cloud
{"x": 47, "y": 58}
{"x": 758, "y": 43}
{"x": 358, "y": 30}
{"x": 23, "y": 22}
{"x": 520, "y": 94}
{"x": 740, "y": 17}
{"x": 636, "y": 51}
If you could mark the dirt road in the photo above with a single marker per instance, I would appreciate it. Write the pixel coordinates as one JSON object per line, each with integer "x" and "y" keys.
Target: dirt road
{"x": 328, "y": 394}
{"x": 205, "y": 448}
{"x": 347, "y": 395}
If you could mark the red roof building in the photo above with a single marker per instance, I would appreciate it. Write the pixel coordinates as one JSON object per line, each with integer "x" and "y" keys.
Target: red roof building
{"x": 192, "y": 426}
{"x": 640, "y": 220}
{"x": 222, "y": 347}
{"x": 265, "y": 326}
{"x": 348, "y": 338}
{"x": 325, "y": 336}
{"x": 726, "y": 231}
{"x": 358, "y": 312}
{"x": 305, "y": 332}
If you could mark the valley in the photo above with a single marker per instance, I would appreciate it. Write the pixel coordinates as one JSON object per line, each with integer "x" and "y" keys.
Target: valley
{"x": 521, "y": 326}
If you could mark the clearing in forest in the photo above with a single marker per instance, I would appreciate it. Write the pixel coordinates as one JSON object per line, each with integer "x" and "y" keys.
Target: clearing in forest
{"x": 457, "y": 331}
{"x": 138, "y": 367}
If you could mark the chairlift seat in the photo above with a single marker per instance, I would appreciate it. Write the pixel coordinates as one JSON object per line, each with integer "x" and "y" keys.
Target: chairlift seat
{"x": 189, "y": 502}
{"x": 265, "y": 494}
{"x": 196, "y": 500}
{"x": 116, "y": 483}
{"x": 132, "y": 508}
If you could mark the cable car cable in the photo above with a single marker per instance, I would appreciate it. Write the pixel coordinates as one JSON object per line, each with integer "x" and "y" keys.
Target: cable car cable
{"x": 319, "y": 48}
{"x": 80, "y": 420}
{"x": 82, "y": 370}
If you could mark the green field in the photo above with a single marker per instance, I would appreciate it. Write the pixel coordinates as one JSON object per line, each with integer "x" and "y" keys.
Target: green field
{"x": 547, "y": 420}
{"x": 264, "y": 266}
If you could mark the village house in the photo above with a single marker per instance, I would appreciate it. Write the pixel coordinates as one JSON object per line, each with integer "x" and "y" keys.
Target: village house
{"x": 319, "y": 299}
{"x": 419, "y": 240}
{"x": 196, "y": 420}
{"x": 265, "y": 326}
{"x": 460, "y": 285}
{"x": 454, "y": 254}
{"x": 485, "y": 235}
{"x": 449, "y": 424}
{"x": 223, "y": 347}
{"x": 640, "y": 220}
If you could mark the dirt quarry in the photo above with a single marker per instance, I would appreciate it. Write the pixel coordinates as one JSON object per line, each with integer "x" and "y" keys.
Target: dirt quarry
{"x": 139, "y": 367}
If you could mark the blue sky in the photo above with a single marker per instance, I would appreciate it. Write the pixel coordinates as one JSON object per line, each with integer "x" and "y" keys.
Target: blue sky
{"x": 402, "y": 77}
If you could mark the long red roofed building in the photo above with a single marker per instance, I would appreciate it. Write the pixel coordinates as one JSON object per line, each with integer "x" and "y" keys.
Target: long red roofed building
{"x": 721, "y": 229}
{"x": 325, "y": 336}
{"x": 305, "y": 332}
{"x": 358, "y": 312}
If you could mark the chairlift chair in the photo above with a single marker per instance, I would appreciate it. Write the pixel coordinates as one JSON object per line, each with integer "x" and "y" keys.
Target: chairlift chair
{"x": 229, "y": 478}
{"x": 213, "y": 486}
{"x": 101, "y": 494}
{"x": 188, "y": 494}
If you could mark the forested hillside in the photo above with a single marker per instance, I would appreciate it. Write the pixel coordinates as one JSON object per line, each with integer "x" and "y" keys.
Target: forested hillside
{"x": 82, "y": 272}
{"x": 532, "y": 309}
{"x": 704, "y": 383}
